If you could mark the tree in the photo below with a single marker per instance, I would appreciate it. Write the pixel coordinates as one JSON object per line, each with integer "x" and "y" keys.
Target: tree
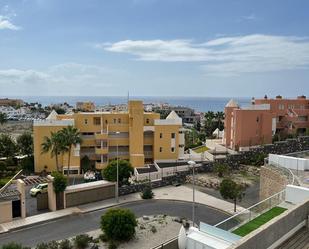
{"x": 147, "y": 192}
{"x": 25, "y": 144}
{"x": 221, "y": 169}
{"x": 125, "y": 171}
{"x": 231, "y": 190}
{"x": 55, "y": 145}
{"x": 8, "y": 146}
{"x": 60, "y": 182}
{"x": 118, "y": 224}
{"x": 27, "y": 164}
{"x": 71, "y": 137}
{"x": 86, "y": 164}
{"x": 3, "y": 118}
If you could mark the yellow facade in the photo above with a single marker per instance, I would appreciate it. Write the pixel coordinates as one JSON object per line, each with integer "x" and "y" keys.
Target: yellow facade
{"x": 132, "y": 135}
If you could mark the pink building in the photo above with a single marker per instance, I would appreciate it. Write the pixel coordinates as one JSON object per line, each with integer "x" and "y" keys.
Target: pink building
{"x": 258, "y": 123}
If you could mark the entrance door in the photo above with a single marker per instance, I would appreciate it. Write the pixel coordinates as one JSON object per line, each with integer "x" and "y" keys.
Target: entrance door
{"x": 16, "y": 209}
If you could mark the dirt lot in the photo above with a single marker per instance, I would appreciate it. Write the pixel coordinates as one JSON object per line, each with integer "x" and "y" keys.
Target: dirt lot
{"x": 16, "y": 128}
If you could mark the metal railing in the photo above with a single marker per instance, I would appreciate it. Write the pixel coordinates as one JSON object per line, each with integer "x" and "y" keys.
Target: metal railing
{"x": 9, "y": 182}
{"x": 166, "y": 244}
{"x": 252, "y": 212}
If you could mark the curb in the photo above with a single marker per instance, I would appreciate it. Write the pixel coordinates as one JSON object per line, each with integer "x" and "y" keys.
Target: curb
{"x": 102, "y": 208}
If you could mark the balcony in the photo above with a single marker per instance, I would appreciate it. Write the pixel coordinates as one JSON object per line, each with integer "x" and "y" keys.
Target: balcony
{"x": 100, "y": 165}
{"x": 101, "y": 136}
{"x": 148, "y": 154}
{"x": 101, "y": 151}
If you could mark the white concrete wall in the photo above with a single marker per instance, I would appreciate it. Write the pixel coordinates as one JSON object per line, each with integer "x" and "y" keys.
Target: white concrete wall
{"x": 289, "y": 162}
{"x": 296, "y": 194}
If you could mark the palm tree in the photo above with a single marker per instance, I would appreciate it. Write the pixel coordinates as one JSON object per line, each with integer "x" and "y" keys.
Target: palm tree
{"x": 55, "y": 144}
{"x": 71, "y": 138}
{"x": 3, "y": 118}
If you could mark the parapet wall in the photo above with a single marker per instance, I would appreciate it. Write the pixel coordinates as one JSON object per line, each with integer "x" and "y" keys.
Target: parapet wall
{"x": 271, "y": 182}
{"x": 275, "y": 231}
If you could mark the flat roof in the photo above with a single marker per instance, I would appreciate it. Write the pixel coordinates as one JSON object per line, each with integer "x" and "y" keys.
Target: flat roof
{"x": 88, "y": 185}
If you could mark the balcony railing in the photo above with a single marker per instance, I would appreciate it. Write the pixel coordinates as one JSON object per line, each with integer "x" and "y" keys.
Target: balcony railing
{"x": 101, "y": 150}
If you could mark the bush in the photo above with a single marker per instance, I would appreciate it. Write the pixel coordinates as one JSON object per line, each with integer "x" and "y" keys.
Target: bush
{"x": 65, "y": 244}
{"x": 52, "y": 245}
{"x": 27, "y": 164}
{"x": 42, "y": 246}
{"x": 221, "y": 169}
{"x": 112, "y": 245}
{"x": 125, "y": 171}
{"x": 2, "y": 166}
{"x": 103, "y": 237}
{"x": 153, "y": 229}
{"x": 118, "y": 224}
{"x": 147, "y": 192}
{"x": 82, "y": 241}
{"x": 60, "y": 182}
{"x": 12, "y": 245}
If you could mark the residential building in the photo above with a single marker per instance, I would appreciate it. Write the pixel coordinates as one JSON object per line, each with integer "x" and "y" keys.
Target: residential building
{"x": 138, "y": 136}
{"x": 256, "y": 124}
{"x": 87, "y": 106}
{"x": 11, "y": 102}
{"x": 187, "y": 114}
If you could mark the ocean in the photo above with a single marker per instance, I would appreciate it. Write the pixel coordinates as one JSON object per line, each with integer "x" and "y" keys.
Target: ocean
{"x": 200, "y": 104}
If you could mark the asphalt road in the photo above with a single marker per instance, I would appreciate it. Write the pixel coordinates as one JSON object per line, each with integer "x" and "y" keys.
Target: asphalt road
{"x": 77, "y": 224}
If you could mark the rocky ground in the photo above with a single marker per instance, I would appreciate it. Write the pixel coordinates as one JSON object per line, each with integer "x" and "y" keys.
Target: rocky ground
{"x": 150, "y": 232}
{"x": 16, "y": 128}
{"x": 248, "y": 176}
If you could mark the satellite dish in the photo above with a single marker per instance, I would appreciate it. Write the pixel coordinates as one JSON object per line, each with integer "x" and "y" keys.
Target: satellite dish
{"x": 182, "y": 238}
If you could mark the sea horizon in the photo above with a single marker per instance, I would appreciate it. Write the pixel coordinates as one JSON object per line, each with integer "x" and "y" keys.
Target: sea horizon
{"x": 198, "y": 103}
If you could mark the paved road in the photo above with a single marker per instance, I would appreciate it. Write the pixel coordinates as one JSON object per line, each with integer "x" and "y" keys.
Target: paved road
{"x": 81, "y": 223}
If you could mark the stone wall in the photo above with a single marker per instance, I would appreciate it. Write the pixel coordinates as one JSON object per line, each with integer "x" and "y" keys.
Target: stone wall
{"x": 234, "y": 161}
{"x": 271, "y": 182}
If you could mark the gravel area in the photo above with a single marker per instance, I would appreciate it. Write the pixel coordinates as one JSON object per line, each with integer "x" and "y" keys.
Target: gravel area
{"x": 150, "y": 232}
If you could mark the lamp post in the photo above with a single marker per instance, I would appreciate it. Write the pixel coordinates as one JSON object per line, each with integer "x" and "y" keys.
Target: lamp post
{"x": 117, "y": 184}
{"x": 192, "y": 164}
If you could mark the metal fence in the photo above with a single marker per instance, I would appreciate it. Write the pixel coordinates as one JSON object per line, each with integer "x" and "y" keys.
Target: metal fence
{"x": 252, "y": 212}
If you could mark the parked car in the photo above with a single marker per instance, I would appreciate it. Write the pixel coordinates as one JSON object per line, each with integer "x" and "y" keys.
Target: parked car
{"x": 39, "y": 189}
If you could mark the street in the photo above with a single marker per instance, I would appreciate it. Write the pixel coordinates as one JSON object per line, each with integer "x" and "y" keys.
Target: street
{"x": 81, "y": 223}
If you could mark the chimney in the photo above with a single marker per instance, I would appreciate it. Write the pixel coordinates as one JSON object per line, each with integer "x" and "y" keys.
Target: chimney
{"x": 265, "y": 97}
{"x": 301, "y": 97}
{"x": 278, "y": 97}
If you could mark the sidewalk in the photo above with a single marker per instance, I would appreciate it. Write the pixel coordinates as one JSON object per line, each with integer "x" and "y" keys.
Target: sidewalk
{"x": 181, "y": 193}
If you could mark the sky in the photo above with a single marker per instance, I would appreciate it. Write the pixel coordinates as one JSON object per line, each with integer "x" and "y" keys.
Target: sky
{"x": 212, "y": 48}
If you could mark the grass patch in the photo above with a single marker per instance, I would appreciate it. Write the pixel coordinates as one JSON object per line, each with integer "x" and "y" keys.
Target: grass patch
{"x": 201, "y": 149}
{"x": 258, "y": 221}
{"x": 4, "y": 181}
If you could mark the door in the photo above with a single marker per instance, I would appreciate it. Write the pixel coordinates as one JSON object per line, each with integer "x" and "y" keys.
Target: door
{"x": 16, "y": 208}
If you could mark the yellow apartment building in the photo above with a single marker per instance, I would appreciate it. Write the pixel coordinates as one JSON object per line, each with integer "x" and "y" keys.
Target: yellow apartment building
{"x": 138, "y": 136}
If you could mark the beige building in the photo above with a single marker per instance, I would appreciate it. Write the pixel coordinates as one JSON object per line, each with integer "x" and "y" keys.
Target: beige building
{"x": 85, "y": 106}
{"x": 138, "y": 136}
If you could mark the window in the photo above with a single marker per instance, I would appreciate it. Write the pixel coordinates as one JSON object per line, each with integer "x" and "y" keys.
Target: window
{"x": 257, "y": 119}
{"x": 147, "y": 120}
{"x": 161, "y": 135}
{"x": 96, "y": 121}
{"x": 106, "y": 121}
{"x": 173, "y": 149}
{"x": 115, "y": 121}
{"x": 173, "y": 135}
{"x": 161, "y": 149}
{"x": 85, "y": 121}
{"x": 281, "y": 106}
{"x": 119, "y": 120}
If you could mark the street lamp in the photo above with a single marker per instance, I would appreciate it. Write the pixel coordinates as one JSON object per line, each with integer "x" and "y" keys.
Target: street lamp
{"x": 192, "y": 164}
{"x": 117, "y": 184}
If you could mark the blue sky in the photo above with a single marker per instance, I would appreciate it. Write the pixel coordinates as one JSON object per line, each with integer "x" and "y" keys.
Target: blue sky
{"x": 154, "y": 47}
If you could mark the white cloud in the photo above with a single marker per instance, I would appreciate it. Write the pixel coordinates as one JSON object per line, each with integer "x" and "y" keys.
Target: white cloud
{"x": 5, "y": 23}
{"x": 250, "y": 17}
{"x": 225, "y": 55}
{"x": 63, "y": 79}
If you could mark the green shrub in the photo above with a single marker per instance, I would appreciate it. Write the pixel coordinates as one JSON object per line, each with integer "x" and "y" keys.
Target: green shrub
{"x": 60, "y": 182}
{"x": 2, "y": 166}
{"x": 42, "y": 246}
{"x": 65, "y": 244}
{"x": 82, "y": 241}
{"x": 103, "y": 237}
{"x": 112, "y": 245}
{"x": 153, "y": 229}
{"x": 52, "y": 245}
{"x": 118, "y": 224}
{"x": 124, "y": 173}
{"x": 221, "y": 169}
{"x": 12, "y": 245}
{"x": 147, "y": 192}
